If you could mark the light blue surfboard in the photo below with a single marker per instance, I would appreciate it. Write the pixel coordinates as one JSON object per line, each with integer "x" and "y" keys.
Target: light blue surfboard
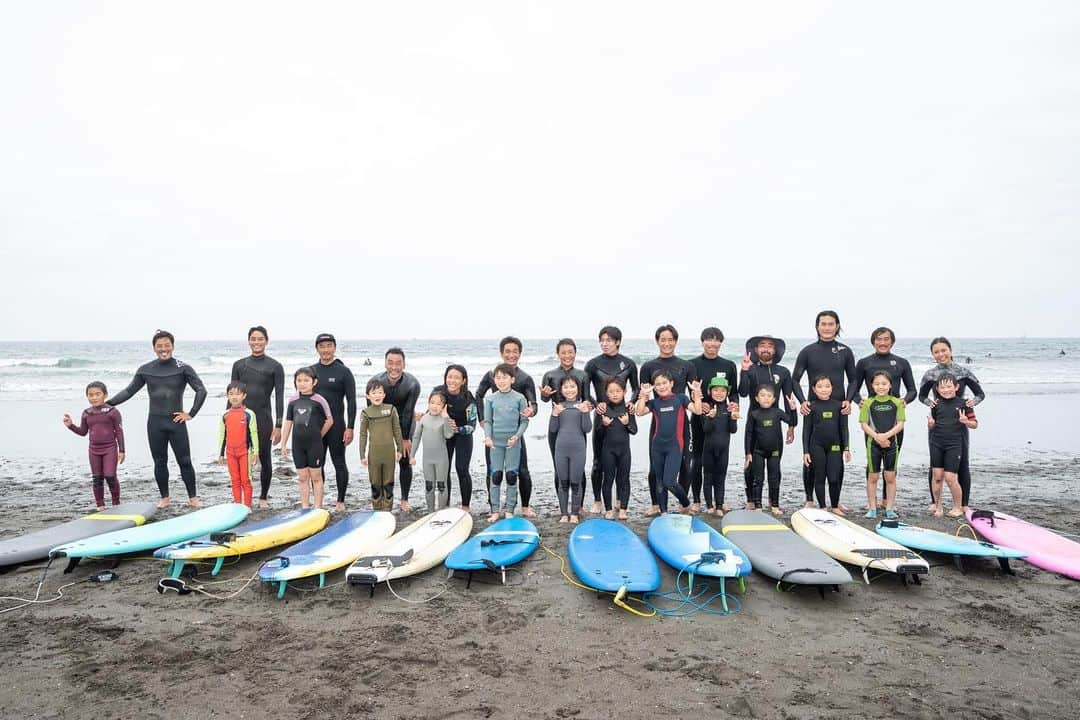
{"x": 501, "y": 545}
{"x": 156, "y": 534}
{"x": 691, "y": 545}
{"x": 608, "y": 556}
{"x": 919, "y": 538}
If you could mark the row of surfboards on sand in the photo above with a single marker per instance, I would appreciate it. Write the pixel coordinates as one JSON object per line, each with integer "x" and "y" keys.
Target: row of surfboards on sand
{"x": 605, "y": 555}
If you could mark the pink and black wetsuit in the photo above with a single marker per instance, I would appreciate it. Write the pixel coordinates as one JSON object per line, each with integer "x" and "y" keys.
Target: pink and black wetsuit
{"x": 106, "y": 430}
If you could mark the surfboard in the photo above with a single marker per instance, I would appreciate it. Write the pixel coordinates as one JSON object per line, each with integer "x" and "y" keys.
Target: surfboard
{"x": 692, "y": 546}
{"x": 249, "y": 537}
{"x": 330, "y": 549}
{"x": 778, "y": 553}
{"x": 847, "y": 542}
{"x": 1045, "y": 548}
{"x": 608, "y": 556}
{"x": 927, "y": 540}
{"x": 36, "y": 545}
{"x": 501, "y": 545}
{"x": 416, "y": 548}
{"x": 155, "y": 535}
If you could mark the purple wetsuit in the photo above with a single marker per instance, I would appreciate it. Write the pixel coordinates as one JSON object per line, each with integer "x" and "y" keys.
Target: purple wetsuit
{"x": 106, "y": 431}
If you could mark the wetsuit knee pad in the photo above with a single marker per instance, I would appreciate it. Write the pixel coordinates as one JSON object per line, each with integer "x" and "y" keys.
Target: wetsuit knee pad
{"x": 496, "y": 478}
{"x": 429, "y": 486}
{"x": 376, "y": 492}
{"x": 511, "y": 478}
{"x": 99, "y": 481}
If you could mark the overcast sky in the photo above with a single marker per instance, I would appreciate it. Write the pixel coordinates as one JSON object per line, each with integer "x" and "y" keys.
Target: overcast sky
{"x": 472, "y": 169}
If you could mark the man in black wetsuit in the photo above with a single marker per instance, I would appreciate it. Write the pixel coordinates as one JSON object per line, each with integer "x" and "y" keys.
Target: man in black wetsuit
{"x": 682, "y": 372}
{"x": 263, "y": 375}
{"x": 761, "y": 366}
{"x": 510, "y": 351}
{"x": 550, "y": 384}
{"x": 608, "y": 365}
{"x": 707, "y": 365}
{"x": 166, "y": 423}
{"x": 827, "y": 357}
{"x": 402, "y": 391}
{"x": 898, "y": 368}
{"x": 338, "y": 387}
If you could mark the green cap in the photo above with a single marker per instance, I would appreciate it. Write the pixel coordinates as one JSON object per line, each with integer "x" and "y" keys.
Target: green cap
{"x": 719, "y": 382}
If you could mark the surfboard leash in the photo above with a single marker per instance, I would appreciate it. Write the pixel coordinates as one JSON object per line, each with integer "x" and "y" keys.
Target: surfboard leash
{"x": 620, "y": 598}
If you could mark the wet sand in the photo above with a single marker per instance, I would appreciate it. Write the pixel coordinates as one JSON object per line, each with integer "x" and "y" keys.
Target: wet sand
{"x": 960, "y": 645}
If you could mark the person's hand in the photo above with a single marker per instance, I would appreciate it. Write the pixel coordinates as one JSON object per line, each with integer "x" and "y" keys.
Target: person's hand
{"x": 556, "y": 410}
{"x": 806, "y": 459}
{"x": 970, "y": 402}
{"x": 705, "y": 407}
{"x": 606, "y": 420}
{"x": 646, "y": 389}
{"x": 881, "y": 440}
{"x": 845, "y": 408}
{"x": 397, "y": 457}
{"x": 417, "y": 417}
{"x": 284, "y": 453}
{"x": 363, "y": 461}
{"x": 624, "y": 418}
{"x": 453, "y": 425}
{"x": 445, "y": 412}
{"x": 256, "y": 462}
{"x": 547, "y": 391}
{"x": 862, "y": 403}
{"x": 804, "y": 409}
{"x": 221, "y": 460}
{"x": 747, "y": 464}
{"x": 733, "y": 408}
{"x": 583, "y": 407}
{"x": 695, "y": 385}
{"x": 67, "y": 420}
{"x": 120, "y": 458}
{"x": 847, "y": 456}
{"x": 601, "y": 407}
{"x": 790, "y": 436}
{"x": 933, "y": 403}
{"x": 488, "y": 443}
{"x": 930, "y": 421}
{"x": 746, "y": 362}
{"x": 275, "y": 436}
{"x": 406, "y": 446}
{"x": 964, "y": 419}
{"x": 512, "y": 441}
{"x": 180, "y": 417}
{"x": 528, "y": 412}
{"x": 348, "y": 437}
{"x": 712, "y": 412}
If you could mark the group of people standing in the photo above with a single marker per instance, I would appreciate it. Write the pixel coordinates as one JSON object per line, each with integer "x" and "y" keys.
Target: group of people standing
{"x": 597, "y": 405}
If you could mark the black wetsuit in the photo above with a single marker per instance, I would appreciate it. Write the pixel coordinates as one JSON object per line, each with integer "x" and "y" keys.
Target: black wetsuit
{"x": 682, "y": 372}
{"x": 601, "y": 370}
{"x": 338, "y": 387}
{"x": 832, "y": 359}
{"x": 523, "y": 383}
{"x": 263, "y": 375}
{"x": 779, "y": 378}
{"x": 462, "y": 410}
{"x": 899, "y": 370}
{"x": 615, "y": 455}
{"x": 707, "y": 369}
{"x": 948, "y": 436}
{"x": 715, "y": 440}
{"x": 553, "y": 379}
{"x": 764, "y": 443}
{"x": 965, "y": 380}
{"x": 825, "y": 438}
{"x": 165, "y": 381}
{"x": 403, "y": 396}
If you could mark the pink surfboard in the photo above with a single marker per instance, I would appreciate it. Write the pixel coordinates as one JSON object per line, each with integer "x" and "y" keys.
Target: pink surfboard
{"x": 1045, "y": 549}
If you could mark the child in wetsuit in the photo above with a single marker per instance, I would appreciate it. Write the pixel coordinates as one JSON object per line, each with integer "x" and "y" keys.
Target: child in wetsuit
{"x": 432, "y": 431}
{"x": 379, "y": 422}
{"x": 570, "y": 425}
{"x": 103, "y": 423}
{"x": 882, "y": 419}
{"x": 764, "y": 445}
{"x": 717, "y": 426}
{"x": 504, "y": 428}
{"x": 947, "y": 420}
{"x": 238, "y": 440}
{"x": 825, "y": 445}
{"x": 307, "y": 419}
{"x": 668, "y": 432}
{"x": 619, "y": 424}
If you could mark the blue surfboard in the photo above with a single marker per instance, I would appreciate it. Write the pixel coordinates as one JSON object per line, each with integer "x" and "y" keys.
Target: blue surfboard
{"x": 503, "y": 544}
{"x": 608, "y": 556}
{"x": 919, "y": 538}
{"x": 690, "y": 545}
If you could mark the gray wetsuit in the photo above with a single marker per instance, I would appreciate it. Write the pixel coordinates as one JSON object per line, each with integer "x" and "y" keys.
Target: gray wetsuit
{"x": 430, "y": 436}
{"x": 570, "y": 429}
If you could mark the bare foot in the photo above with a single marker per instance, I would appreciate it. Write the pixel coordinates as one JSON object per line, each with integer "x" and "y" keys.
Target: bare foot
{"x": 955, "y": 512}
{"x": 508, "y": 514}
{"x": 842, "y": 507}
{"x": 725, "y": 507}
{"x": 838, "y": 511}
{"x": 100, "y": 508}
{"x": 718, "y": 512}
{"x": 610, "y": 514}
{"x": 564, "y": 519}
{"x": 685, "y": 510}
{"x": 808, "y": 504}
{"x": 405, "y": 507}
{"x": 493, "y": 517}
{"x": 597, "y": 507}
{"x": 695, "y": 507}
{"x": 937, "y": 513}
{"x": 654, "y": 510}
{"x": 339, "y": 507}
{"x": 574, "y": 520}
{"x": 304, "y": 507}
{"x": 263, "y": 504}
{"x": 465, "y": 508}
{"x": 931, "y": 507}
{"x": 749, "y": 506}
{"x": 163, "y": 503}
{"x": 778, "y": 512}
{"x": 622, "y": 515}
{"x": 527, "y": 511}
{"x": 194, "y": 502}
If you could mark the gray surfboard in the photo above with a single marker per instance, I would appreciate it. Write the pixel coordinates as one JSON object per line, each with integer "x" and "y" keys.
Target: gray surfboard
{"x": 35, "y": 546}
{"x": 775, "y": 550}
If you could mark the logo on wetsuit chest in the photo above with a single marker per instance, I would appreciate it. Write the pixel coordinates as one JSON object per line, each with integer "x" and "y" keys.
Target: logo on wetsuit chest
{"x": 892, "y": 362}
{"x": 776, "y": 379}
{"x": 179, "y": 363}
{"x": 331, "y": 379}
{"x": 386, "y": 411}
{"x": 667, "y": 409}
{"x": 301, "y": 411}
{"x": 766, "y": 423}
{"x": 827, "y": 414}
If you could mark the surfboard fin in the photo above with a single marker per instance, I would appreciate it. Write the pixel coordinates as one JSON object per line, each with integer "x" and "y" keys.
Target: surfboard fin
{"x": 1004, "y": 563}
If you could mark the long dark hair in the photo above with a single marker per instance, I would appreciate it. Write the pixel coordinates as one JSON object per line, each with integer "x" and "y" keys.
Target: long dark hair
{"x": 464, "y": 381}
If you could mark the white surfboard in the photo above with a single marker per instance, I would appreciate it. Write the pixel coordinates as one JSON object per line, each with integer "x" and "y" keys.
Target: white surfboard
{"x": 849, "y": 543}
{"x": 418, "y": 547}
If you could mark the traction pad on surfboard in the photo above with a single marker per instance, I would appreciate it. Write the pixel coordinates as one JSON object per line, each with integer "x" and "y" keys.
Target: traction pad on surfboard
{"x": 888, "y": 554}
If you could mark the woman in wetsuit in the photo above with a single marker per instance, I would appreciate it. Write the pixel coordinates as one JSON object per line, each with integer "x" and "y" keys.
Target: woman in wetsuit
{"x": 166, "y": 424}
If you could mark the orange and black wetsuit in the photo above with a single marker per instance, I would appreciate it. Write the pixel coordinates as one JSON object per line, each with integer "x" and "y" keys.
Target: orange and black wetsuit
{"x": 238, "y": 442}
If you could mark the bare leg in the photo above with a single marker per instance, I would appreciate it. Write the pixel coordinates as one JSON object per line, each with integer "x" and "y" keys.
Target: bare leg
{"x": 890, "y": 490}
{"x": 317, "y": 482}
{"x": 305, "y": 487}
